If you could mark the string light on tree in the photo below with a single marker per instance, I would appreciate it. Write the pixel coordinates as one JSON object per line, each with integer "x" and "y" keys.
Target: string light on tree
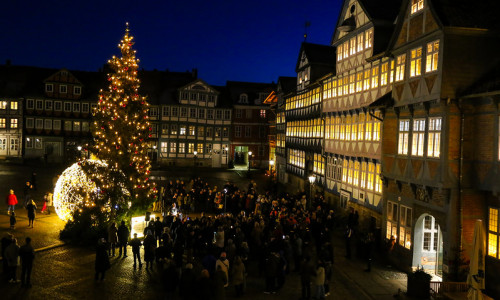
{"x": 121, "y": 124}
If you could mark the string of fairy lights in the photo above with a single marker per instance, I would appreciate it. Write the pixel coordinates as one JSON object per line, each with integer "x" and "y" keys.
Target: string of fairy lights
{"x": 121, "y": 129}
{"x": 121, "y": 121}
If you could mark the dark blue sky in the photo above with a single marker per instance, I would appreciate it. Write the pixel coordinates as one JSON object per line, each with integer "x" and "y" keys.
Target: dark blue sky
{"x": 241, "y": 40}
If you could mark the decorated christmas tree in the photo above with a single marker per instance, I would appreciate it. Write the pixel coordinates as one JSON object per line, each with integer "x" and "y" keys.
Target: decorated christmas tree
{"x": 121, "y": 129}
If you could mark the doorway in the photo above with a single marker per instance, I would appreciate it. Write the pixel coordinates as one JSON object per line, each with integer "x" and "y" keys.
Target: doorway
{"x": 428, "y": 246}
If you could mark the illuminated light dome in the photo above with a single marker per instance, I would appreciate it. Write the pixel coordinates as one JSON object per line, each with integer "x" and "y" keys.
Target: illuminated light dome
{"x": 71, "y": 185}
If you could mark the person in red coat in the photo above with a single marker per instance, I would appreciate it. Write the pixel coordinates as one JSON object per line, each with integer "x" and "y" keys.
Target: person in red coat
{"x": 11, "y": 201}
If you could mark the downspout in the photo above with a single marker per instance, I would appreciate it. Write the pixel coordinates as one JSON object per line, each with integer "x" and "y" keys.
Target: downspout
{"x": 460, "y": 180}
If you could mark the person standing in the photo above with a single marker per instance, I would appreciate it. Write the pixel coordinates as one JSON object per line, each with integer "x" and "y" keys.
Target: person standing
{"x": 27, "y": 193}
{"x": 27, "y": 254}
{"x": 306, "y": 274}
{"x": 123, "y": 234}
{"x": 11, "y": 201}
{"x": 149, "y": 250}
{"x": 101, "y": 260}
{"x": 6, "y": 241}
{"x": 319, "y": 281}
{"x": 112, "y": 238}
{"x": 136, "y": 243}
{"x": 224, "y": 265}
{"x": 238, "y": 275}
{"x": 31, "y": 208}
{"x": 46, "y": 204}
{"x": 13, "y": 220}
{"x": 12, "y": 256}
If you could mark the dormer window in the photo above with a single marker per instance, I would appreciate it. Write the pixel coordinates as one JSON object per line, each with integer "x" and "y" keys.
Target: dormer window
{"x": 416, "y": 5}
{"x": 77, "y": 90}
{"x": 49, "y": 87}
{"x": 63, "y": 89}
{"x": 243, "y": 98}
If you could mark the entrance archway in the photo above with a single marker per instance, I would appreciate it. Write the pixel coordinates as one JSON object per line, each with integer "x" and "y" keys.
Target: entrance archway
{"x": 428, "y": 246}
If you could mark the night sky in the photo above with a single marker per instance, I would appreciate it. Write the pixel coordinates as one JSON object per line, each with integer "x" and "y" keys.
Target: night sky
{"x": 241, "y": 40}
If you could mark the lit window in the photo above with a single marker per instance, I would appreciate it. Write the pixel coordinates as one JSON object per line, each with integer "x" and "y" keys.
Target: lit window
{"x": 366, "y": 82}
{"x": 416, "y": 5}
{"x": 368, "y": 128}
{"x": 405, "y": 224}
{"x": 190, "y": 147}
{"x": 164, "y": 147}
{"x": 173, "y": 129}
{"x": 346, "y": 84}
{"x": 192, "y": 130}
{"x": 368, "y": 38}
{"x": 262, "y": 113}
{"x": 416, "y": 62}
{"x": 182, "y": 147}
{"x": 360, "y": 42}
{"x": 339, "y": 53}
{"x": 376, "y": 127}
{"x": 355, "y": 178}
{"x": 182, "y": 130}
{"x": 2, "y": 122}
{"x": 431, "y": 234}
{"x": 352, "y": 46}
{"x": 383, "y": 74}
{"x": 404, "y": 129}
{"x": 378, "y": 179}
{"x": 493, "y": 232}
{"x": 392, "y": 220}
{"x": 361, "y": 126}
{"x": 199, "y": 148}
{"x": 363, "y": 175}
{"x": 417, "y": 148}
{"x": 371, "y": 176}
{"x": 13, "y": 123}
{"x": 345, "y": 47}
{"x": 400, "y": 67}
{"x": 354, "y": 128}
{"x": 350, "y": 172}
{"x": 391, "y": 74}
{"x": 431, "y": 60}
{"x": 352, "y": 83}
{"x": 434, "y": 137}
{"x": 359, "y": 82}
{"x": 345, "y": 168}
{"x": 375, "y": 77}
{"x": 13, "y": 105}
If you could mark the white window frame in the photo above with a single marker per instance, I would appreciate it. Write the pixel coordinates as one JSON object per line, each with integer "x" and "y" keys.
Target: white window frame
{"x": 403, "y": 136}
{"x": 416, "y": 62}
{"x": 30, "y": 104}
{"x": 49, "y": 87}
{"x": 63, "y": 89}
{"x": 418, "y": 137}
{"x": 400, "y": 67}
{"x": 432, "y": 57}
{"x": 77, "y": 90}
{"x": 434, "y": 137}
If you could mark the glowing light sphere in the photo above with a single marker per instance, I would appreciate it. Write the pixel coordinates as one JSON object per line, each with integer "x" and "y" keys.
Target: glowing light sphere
{"x": 71, "y": 185}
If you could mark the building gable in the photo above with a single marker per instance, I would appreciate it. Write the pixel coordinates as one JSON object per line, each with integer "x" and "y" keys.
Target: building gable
{"x": 352, "y": 16}
{"x": 200, "y": 86}
{"x": 415, "y": 22}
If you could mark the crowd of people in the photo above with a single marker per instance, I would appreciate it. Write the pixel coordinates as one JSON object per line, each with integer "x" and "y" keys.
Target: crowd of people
{"x": 200, "y": 257}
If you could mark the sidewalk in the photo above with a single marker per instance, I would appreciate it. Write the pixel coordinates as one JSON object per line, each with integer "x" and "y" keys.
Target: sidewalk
{"x": 382, "y": 283}
{"x": 44, "y": 234}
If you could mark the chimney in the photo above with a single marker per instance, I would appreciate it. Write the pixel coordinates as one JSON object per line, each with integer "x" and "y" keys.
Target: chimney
{"x": 194, "y": 72}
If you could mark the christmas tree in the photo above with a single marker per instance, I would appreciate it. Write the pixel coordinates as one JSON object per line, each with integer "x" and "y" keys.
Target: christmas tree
{"x": 121, "y": 129}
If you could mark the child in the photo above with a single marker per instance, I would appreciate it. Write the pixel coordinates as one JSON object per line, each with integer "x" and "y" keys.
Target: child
{"x": 13, "y": 220}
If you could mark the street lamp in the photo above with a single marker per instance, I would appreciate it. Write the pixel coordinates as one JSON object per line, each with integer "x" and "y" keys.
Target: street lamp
{"x": 311, "y": 178}
{"x": 249, "y": 157}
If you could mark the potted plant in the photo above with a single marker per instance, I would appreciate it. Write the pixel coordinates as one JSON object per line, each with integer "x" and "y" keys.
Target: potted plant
{"x": 419, "y": 284}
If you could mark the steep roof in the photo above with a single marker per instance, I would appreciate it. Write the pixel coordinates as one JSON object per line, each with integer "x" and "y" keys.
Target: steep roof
{"x": 317, "y": 54}
{"x": 466, "y": 13}
{"x": 161, "y": 86}
{"x": 288, "y": 84}
{"x": 234, "y": 89}
{"x": 386, "y": 10}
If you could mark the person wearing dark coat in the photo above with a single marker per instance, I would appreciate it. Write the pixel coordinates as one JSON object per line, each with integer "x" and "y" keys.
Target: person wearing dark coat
{"x": 204, "y": 286}
{"x": 187, "y": 283}
{"x": 123, "y": 234}
{"x": 136, "y": 244}
{"x": 31, "y": 208}
{"x": 101, "y": 260}
{"x": 170, "y": 280}
{"x": 220, "y": 280}
{"x": 307, "y": 271}
{"x": 27, "y": 254}
{"x": 6, "y": 241}
{"x": 149, "y": 250}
